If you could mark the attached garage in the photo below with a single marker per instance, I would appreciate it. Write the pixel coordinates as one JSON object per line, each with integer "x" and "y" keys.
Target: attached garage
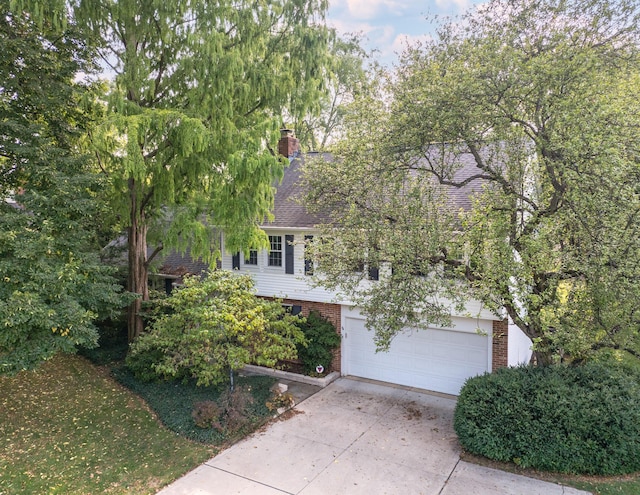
{"x": 438, "y": 359}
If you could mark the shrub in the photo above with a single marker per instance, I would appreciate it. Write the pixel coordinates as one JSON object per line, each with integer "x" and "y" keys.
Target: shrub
{"x": 280, "y": 400}
{"x": 582, "y": 419}
{"x": 142, "y": 362}
{"x": 212, "y": 326}
{"x": 206, "y": 414}
{"x": 231, "y": 413}
{"x": 236, "y": 408}
{"x": 321, "y": 339}
{"x": 112, "y": 343}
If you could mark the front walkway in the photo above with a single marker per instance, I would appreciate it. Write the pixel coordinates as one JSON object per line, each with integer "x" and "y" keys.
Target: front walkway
{"x": 355, "y": 437}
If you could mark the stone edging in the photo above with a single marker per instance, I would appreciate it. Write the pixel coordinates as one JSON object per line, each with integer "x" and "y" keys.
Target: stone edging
{"x": 287, "y": 375}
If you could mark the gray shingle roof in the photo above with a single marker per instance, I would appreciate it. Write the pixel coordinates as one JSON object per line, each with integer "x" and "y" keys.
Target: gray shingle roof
{"x": 288, "y": 211}
{"x": 177, "y": 264}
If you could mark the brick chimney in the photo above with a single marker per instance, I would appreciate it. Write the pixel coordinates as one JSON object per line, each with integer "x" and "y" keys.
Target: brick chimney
{"x": 288, "y": 145}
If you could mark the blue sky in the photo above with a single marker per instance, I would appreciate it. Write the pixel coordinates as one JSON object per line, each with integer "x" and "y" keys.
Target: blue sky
{"x": 389, "y": 24}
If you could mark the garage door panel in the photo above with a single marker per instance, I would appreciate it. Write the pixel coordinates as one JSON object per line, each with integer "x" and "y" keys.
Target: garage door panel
{"x": 433, "y": 359}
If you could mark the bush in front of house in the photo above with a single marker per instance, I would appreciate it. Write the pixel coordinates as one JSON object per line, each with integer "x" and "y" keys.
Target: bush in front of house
{"x": 321, "y": 340}
{"x": 212, "y": 327}
{"x": 570, "y": 419}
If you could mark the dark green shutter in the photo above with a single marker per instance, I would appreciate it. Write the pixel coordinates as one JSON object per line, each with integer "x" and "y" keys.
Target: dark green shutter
{"x": 288, "y": 254}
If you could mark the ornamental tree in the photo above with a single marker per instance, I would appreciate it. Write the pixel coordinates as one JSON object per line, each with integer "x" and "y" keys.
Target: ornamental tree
{"x": 540, "y": 99}
{"x": 214, "y": 327}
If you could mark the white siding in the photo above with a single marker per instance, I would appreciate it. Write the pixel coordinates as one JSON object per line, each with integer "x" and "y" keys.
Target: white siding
{"x": 273, "y": 282}
{"x": 519, "y": 346}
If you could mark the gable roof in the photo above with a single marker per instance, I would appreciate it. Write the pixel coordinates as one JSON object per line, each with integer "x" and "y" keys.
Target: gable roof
{"x": 290, "y": 213}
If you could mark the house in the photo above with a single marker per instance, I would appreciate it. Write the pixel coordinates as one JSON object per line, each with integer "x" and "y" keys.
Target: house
{"x": 439, "y": 359}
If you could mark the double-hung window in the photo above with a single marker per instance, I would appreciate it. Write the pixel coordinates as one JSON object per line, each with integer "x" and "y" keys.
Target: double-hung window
{"x": 252, "y": 259}
{"x": 275, "y": 250}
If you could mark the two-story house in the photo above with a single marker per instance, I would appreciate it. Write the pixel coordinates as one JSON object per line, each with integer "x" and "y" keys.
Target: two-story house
{"x": 438, "y": 359}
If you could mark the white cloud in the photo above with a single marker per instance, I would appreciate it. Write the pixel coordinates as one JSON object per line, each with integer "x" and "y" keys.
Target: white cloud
{"x": 453, "y": 4}
{"x": 389, "y": 24}
{"x": 372, "y": 9}
{"x": 402, "y": 41}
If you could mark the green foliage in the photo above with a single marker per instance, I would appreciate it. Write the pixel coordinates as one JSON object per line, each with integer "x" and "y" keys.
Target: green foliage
{"x": 345, "y": 79}
{"x": 581, "y": 419}
{"x": 112, "y": 343}
{"x": 54, "y": 286}
{"x": 174, "y": 402}
{"x": 193, "y": 113}
{"x": 504, "y": 153}
{"x": 321, "y": 339}
{"x": 217, "y": 324}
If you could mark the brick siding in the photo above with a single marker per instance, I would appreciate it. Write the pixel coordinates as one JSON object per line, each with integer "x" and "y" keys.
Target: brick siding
{"x": 500, "y": 344}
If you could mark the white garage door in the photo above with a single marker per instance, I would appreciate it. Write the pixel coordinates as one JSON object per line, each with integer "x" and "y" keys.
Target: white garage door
{"x": 433, "y": 359}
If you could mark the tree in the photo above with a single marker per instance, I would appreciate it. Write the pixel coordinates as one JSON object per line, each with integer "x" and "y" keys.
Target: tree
{"x": 214, "y": 327}
{"x": 345, "y": 79}
{"x": 539, "y": 98}
{"x": 198, "y": 95}
{"x": 53, "y": 285}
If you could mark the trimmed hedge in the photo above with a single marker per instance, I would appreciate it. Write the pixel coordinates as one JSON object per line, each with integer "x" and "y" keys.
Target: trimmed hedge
{"x": 581, "y": 419}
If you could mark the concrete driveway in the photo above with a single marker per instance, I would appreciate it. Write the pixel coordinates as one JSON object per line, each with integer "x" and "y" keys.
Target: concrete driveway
{"x": 355, "y": 437}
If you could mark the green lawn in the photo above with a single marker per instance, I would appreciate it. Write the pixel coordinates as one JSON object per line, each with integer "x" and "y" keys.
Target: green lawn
{"x": 69, "y": 428}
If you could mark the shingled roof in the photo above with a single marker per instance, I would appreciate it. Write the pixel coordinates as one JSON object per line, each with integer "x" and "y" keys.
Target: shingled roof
{"x": 178, "y": 265}
{"x": 288, "y": 211}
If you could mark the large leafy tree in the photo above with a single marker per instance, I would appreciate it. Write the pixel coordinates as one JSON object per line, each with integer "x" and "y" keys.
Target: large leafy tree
{"x": 53, "y": 286}
{"x": 198, "y": 97}
{"x": 529, "y": 108}
{"x": 345, "y": 78}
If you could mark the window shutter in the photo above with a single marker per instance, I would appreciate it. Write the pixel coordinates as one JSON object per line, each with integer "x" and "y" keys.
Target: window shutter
{"x": 288, "y": 254}
{"x": 235, "y": 262}
{"x": 168, "y": 286}
{"x": 308, "y": 263}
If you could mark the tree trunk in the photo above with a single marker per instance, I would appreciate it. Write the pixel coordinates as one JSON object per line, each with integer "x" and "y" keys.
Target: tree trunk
{"x": 138, "y": 276}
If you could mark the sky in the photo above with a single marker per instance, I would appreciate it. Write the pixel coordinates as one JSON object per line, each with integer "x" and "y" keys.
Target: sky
{"x": 389, "y": 24}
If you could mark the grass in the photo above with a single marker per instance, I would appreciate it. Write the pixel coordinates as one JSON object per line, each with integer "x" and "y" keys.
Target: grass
{"x": 629, "y": 486}
{"x": 69, "y": 428}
